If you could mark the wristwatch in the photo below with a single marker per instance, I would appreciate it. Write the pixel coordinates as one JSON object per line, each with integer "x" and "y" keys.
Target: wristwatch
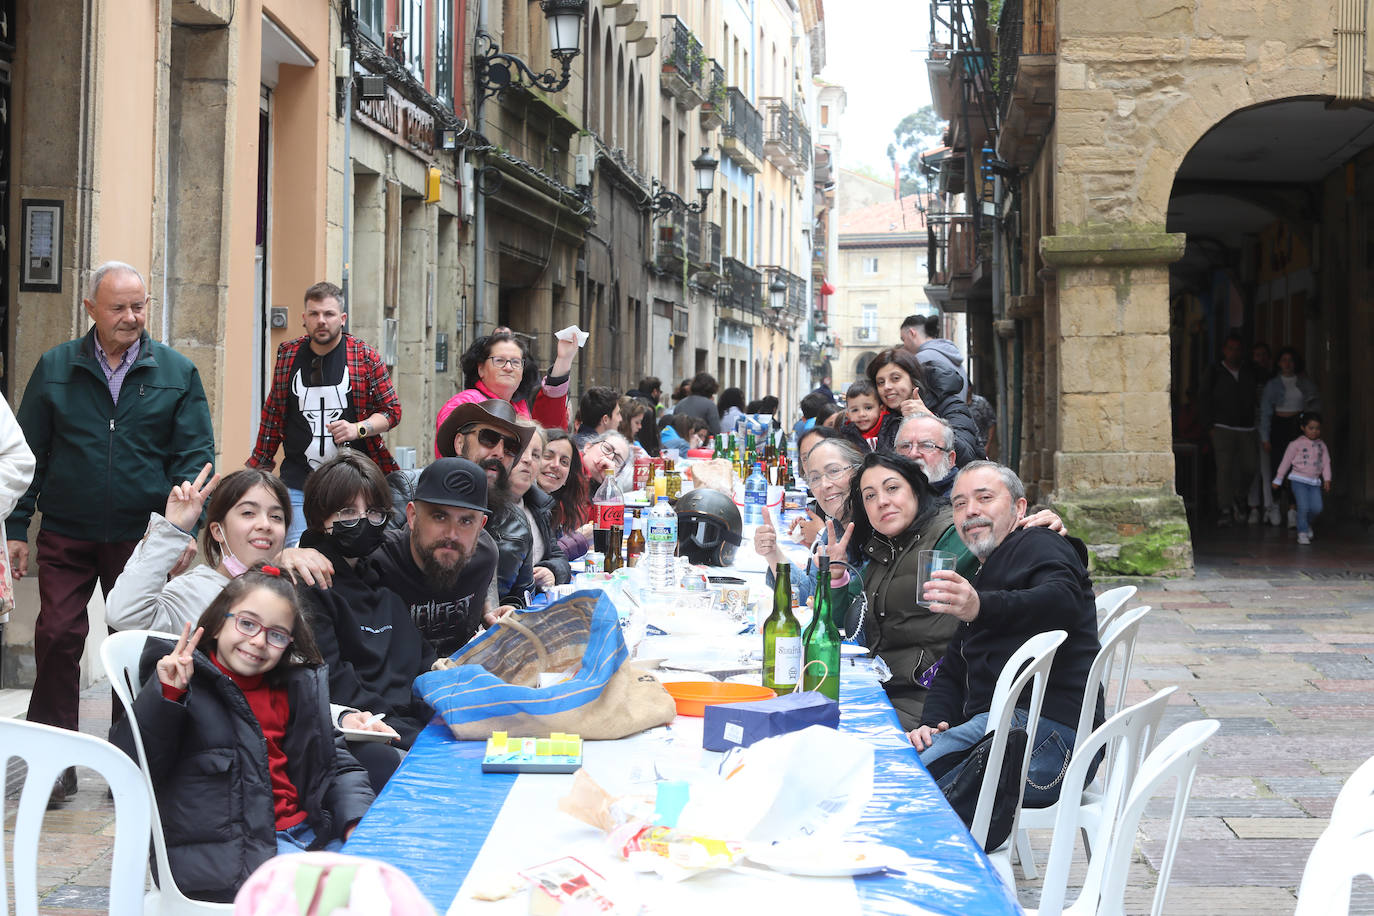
{"x": 363, "y": 431}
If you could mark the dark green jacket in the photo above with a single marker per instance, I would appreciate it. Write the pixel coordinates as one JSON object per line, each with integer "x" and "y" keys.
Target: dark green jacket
{"x": 102, "y": 468}
{"x": 908, "y": 637}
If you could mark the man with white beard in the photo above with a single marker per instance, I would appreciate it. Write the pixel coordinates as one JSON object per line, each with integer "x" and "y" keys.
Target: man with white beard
{"x": 929, "y": 441}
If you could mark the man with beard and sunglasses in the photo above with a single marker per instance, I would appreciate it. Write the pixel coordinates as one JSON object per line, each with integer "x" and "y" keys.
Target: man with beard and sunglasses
{"x": 443, "y": 562}
{"x": 489, "y": 434}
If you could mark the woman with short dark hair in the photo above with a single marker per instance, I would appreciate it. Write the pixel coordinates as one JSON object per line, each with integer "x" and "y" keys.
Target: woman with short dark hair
{"x": 364, "y": 630}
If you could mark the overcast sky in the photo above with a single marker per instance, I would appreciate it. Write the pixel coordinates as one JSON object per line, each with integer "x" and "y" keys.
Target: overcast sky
{"x": 875, "y": 49}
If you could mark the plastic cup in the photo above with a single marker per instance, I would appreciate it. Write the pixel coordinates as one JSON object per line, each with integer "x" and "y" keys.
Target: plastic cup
{"x": 927, "y": 562}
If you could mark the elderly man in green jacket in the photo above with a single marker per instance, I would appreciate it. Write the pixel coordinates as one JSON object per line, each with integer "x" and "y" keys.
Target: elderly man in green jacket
{"x": 114, "y": 419}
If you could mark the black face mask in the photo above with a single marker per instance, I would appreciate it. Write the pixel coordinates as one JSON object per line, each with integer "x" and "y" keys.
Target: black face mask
{"x": 359, "y": 539}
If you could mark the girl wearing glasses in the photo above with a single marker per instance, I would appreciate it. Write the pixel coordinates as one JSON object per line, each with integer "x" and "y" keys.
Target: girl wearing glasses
{"x": 499, "y": 366}
{"x": 234, "y": 718}
{"x": 364, "y": 630}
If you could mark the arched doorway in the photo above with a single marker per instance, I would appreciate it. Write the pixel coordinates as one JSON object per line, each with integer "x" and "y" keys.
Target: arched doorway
{"x": 861, "y": 364}
{"x": 1277, "y": 205}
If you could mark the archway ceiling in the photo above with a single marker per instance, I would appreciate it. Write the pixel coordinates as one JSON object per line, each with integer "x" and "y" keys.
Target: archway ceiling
{"x": 1259, "y": 163}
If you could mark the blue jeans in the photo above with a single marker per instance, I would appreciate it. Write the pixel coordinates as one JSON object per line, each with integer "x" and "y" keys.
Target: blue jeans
{"x": 1309, "y": 499}
{"x": 300, "y": 838}
{"x": 293, "y": 534}
{"x": 1052, "y": 748}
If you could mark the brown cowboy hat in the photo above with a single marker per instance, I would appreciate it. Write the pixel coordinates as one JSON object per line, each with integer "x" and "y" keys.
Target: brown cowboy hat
{"x": 493, "y": 412}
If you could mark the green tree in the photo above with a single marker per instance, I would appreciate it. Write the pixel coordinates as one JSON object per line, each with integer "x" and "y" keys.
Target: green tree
{"x": 916, "y": 133}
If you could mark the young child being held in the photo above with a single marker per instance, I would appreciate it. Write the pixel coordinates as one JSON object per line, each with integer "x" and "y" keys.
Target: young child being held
{"x": 1307, "y": 462}
{"x": 863, "y": 412}
{"x": 239, "y": 742}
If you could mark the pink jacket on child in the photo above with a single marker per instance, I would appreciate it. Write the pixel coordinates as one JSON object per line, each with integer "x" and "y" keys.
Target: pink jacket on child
{"x": 1309, "y": 459}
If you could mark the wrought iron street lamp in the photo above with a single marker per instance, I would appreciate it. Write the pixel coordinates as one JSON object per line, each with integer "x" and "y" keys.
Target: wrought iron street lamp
{"x": 662, "y": 200}
{"x": 777, "y": 295}
{"x": 497, "y": 70}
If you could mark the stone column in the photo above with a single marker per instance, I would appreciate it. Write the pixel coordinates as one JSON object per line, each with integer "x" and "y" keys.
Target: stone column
{"x": 1114, "y": 465}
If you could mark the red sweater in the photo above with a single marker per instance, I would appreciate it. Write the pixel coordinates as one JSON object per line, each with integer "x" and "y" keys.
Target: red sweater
{"x": 272, "y": 709}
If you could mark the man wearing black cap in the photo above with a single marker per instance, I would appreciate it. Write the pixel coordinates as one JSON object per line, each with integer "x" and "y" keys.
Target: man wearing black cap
{"x": 441, "y": 564}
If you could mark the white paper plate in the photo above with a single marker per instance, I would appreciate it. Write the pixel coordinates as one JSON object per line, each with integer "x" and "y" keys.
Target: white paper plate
{"x": 831, "y": 860}
{"x": 850, "y": 650}
{"x": 362, "y": 734}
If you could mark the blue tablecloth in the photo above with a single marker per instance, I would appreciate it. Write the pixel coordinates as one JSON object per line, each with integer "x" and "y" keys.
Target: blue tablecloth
{"x": 435, "y": 814}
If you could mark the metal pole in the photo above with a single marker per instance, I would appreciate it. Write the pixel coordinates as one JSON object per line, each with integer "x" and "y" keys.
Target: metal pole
{"x": 479, "y": 210}
{"x": 347, "y": 247}
{"x": 998, "y": 311}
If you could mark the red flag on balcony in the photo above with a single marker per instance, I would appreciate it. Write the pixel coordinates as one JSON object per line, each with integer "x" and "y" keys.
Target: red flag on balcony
{"x": 827, "y": 288}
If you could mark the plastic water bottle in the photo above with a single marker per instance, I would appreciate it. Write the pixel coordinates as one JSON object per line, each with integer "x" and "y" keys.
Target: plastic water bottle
{"x": 755, "y": 496}
{"x": 660, "y": 547}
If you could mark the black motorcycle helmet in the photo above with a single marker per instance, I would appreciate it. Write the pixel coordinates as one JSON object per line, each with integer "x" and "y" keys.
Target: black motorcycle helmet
{"x": 708, "y": 527}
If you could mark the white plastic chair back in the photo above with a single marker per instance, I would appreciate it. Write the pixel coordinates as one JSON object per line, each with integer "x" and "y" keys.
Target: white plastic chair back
{"x": 1357, "y": 789}
{"x": 1115, "y": 657}
{"x": 48, "y": 751}
{"x": 1036, "y": 654}
{"x": 1344, "y": 852}
{"x": 1110, "y": 603}
{"x": 120, "y": 654}
{"x": 1176, "y": 757}
{"x": 1128, "y": 732}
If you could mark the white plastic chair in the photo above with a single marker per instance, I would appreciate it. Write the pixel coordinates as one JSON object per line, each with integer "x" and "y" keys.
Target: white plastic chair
{"x": 48, "y": 751}
{"x": 1344, "y": 852}
{"x": 1124, "y": 737}
{"x": 1110, "y": 604}
{"x": 1357, "y": 789}
{"x": 120, "y": 653}
{"x": 1118, "y": 643}
{"x": 1036, "y": 655}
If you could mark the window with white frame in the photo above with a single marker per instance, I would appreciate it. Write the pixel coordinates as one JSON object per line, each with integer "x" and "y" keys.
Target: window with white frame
{"x": 870, "y": 317}
{"x": 412, "y": 23}
{"x": 371, "y": 16}
{"x": 443, "y": 51}
{"x": 870, "y": 266}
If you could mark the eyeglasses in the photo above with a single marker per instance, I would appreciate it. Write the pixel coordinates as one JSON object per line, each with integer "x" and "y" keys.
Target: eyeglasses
{"x": 833, "y": 474}
{"x": 506, "y": 362}
{"x": 351, "y": 518}
{"x": 490, "y": 438}
{"x": 277, "y": 638}
{"x": 925, "y": 445}
{"x": 609, "y": 451}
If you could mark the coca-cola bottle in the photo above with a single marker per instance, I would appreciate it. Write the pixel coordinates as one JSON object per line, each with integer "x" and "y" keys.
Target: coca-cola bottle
{"x": 608, "y": 511}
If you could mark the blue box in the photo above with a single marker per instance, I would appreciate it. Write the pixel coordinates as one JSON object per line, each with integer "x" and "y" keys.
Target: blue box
{"x": 733, "y": 725}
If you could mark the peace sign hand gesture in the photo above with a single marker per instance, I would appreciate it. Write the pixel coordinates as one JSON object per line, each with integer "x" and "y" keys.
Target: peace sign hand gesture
{"x": 174, "y": 669}
{"x": 186, "y": 499}
{"x": 837, "y": 549}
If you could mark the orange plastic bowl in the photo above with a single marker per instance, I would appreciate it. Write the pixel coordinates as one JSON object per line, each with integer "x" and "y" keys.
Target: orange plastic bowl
{"x": 692, "y": 697}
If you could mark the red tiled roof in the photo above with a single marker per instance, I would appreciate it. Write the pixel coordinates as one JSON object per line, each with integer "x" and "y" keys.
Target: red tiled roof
{"x": 890, "y": 216}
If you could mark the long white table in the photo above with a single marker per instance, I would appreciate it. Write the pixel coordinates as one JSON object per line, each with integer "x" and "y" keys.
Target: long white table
{"x": 451, "y": 827}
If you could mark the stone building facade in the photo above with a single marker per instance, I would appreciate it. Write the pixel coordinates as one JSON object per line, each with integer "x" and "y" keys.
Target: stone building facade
{"x": 1151, "y": 159}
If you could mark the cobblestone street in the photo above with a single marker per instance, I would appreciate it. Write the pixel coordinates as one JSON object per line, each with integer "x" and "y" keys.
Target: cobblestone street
{"x": 1274, "y": 640}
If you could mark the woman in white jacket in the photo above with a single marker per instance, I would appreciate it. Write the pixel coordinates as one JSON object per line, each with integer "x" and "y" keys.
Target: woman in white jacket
{"x": 16, "y": 473}
{"x": 246, "y": 521}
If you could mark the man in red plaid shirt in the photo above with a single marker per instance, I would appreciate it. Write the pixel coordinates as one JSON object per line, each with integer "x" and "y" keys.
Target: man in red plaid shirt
{"x": 334, "y": 393}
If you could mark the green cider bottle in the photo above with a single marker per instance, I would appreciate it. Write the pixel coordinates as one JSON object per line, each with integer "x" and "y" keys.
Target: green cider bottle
{"x": 782, "y": 644}
{"x": 821, "y": 641}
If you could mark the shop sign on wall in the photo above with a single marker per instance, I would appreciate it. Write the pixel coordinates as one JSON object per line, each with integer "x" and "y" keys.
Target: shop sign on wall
{"x": 400, "y": 120}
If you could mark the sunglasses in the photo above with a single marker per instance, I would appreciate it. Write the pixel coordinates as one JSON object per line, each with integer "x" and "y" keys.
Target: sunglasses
{"x": 490, "y": 438}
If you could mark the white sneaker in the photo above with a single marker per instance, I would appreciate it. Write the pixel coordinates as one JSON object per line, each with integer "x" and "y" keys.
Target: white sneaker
{"x": 1254, "y": 516}
{"x": 1271, "y": 516}
{"x": 1304, "y": 538}
{"x": 1292, "y": 518}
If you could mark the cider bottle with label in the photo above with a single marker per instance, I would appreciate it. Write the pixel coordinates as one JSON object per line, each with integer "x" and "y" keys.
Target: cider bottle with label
{"x": 782, "y": 644}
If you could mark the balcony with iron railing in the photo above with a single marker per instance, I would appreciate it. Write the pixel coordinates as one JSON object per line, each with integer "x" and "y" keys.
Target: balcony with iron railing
{"x": 1026, "y": 41}
{"x": 711, "y": 249}
{"x": 951, "y": 256}
{"x": 671, "y": 241}
{"x": 741, "y": 137}
{"x": 961, "y": 71}
{"x": 716, "y": 108}
{"x": 682, "y": 72}
{"x": 783, "y": 137}
{"x": 742, "y": 290}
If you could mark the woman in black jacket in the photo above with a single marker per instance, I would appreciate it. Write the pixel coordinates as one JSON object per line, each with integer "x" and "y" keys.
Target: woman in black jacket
{"x": 364, "y": 630}
{"x": 906, "y": 387}
{"x": 240, "y": 747}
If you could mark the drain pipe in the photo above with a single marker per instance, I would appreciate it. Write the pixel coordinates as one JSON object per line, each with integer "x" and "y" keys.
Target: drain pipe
{"x": 1350, "y": 45}
{"x": 1000, "y": 328}
{"x": 479, "y": 208}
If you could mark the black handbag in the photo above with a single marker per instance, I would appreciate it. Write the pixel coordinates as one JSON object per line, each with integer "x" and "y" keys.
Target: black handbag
{"x": 961, "y": 777}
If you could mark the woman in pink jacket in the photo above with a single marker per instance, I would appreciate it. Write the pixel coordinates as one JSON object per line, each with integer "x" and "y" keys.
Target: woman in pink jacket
{"x": 499, "y": 366}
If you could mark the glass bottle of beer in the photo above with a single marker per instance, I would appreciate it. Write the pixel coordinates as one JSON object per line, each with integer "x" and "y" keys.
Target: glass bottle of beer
{"x": 634, "y": 548}
{"x": 821, "y": 641}
{"x": 614, "y": 543}
{"x": 782, "y": 648}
